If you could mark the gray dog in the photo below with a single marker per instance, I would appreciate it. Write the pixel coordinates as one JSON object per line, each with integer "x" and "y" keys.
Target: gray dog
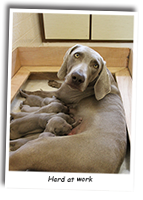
{"x": 99, "y": 145}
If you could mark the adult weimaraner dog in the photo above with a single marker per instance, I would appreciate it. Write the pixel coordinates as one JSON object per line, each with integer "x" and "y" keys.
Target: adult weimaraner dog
{"x": 99, "y": 142}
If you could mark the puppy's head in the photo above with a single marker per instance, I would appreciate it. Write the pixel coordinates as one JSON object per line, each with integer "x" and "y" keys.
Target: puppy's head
{"x": 58, "y": 126}
{"x": 82, "y": 66}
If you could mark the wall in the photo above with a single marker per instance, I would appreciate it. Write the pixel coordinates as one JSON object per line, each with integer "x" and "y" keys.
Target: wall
{"x": 77, "y": 26}
{"x": 112, "y": 27}
{"x": 26, "y": 30}
{"x": 66, "y": 26}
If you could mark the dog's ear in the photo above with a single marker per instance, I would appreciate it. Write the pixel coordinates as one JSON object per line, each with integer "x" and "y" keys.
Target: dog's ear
{"x": 103, "y": 84}
{"x": 63, "y": 70}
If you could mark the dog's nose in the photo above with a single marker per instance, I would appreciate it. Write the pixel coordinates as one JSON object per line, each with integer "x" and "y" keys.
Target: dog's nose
{"x": 78, "y": 78}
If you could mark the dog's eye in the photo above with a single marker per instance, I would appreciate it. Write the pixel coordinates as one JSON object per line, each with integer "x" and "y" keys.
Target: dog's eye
{"x": 76, "y": 55}
{"x": 95, "y": 66}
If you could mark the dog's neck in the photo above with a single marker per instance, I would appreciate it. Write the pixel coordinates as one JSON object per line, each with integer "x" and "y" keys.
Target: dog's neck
{"x": 75, "y": 94}
{"x": 91, "y": 84}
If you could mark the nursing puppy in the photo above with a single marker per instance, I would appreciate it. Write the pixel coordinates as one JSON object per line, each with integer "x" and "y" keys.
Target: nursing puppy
{"x": 34, "y": 100}
{"x": 34, "y": 123}
{"x": 53, "y": 107}
{"x": 59, "y": 126}
{"x": 27, "y": 108}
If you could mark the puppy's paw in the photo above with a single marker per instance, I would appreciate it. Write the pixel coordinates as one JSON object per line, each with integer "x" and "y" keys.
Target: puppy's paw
{"x": 14, "y": 145}
{"x": 21, "y": 105}
{"x": 80, "y": 120}
{"x": 47, "y": 134}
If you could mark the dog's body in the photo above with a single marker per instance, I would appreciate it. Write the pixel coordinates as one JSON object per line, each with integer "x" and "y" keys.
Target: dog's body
{"x": 99, "y": 144}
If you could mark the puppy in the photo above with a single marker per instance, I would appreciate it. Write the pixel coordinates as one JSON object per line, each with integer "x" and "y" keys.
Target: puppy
{"x": 59, "y": 126}
{"x": 27, "y": 108}
{"x": 54, "y": 107}
{"x": 34, "y": 100}
{"x": 32, "y": 123}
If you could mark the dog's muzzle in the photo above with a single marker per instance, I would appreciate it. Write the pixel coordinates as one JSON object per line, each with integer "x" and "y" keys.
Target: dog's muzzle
{"x": 77, "y": 78}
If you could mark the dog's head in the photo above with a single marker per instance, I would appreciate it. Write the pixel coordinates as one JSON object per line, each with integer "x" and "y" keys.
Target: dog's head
{"x": 82, "y": 66}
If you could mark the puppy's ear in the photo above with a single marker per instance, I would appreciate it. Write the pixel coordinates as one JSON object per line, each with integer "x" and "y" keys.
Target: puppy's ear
{"x": 103, "y": 84}
{"x": 63, "y": 70}
{"x": 55, "y": 131}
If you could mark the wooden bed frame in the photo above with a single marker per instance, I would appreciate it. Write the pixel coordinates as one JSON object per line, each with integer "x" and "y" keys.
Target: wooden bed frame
{"x": 44, "y": 63}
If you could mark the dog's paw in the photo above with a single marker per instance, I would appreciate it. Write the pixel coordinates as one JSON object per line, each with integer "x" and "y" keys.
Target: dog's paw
{"x": 54, "y": 84}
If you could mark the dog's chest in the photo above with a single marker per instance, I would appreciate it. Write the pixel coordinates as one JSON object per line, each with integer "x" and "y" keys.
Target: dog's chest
{"x": 84, "y": 112}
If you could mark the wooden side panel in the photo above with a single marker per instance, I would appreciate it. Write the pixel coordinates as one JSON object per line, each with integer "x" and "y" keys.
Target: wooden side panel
{"x": 37, "y": 69}
{"x": 43, "y": 72}
{"x": 114, "y": 57}
{"x": 125, "y": 86}
{"x": 15, "y": 62}
{"x": 130, "y": 66}
{"x": 18, "y": 80}
{"x": 42, "y": 55}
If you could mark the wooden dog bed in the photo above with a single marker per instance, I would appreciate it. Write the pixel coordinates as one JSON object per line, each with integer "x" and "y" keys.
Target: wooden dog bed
{"x": 44, "y": 62}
